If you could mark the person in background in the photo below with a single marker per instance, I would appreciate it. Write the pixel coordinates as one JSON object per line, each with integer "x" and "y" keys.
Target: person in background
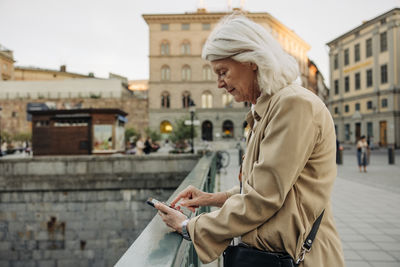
{"x": 362, "y": 153}
{"x": 139, "y": 146}
{"x": 289, "y": 166}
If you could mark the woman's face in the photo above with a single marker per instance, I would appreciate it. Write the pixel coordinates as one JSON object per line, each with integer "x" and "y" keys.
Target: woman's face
{"x": 238, "y": 79}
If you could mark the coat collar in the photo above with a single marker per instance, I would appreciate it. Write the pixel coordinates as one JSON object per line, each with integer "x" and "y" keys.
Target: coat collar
{"x": 257, "y": 110}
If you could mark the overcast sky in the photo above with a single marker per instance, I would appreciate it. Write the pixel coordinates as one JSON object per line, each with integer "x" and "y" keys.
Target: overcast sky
{"x": 103, "y": 36}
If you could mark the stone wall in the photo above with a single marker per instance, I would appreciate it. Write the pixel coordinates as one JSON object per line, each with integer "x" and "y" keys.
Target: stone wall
{"x": 80, "y": 211}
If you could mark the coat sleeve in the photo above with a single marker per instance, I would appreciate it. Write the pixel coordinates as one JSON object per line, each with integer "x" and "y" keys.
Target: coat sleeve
{"x": 287, "y": 143}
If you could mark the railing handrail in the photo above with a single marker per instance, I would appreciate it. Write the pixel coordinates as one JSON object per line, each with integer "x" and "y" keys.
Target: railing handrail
{"x": 157, "y": 245}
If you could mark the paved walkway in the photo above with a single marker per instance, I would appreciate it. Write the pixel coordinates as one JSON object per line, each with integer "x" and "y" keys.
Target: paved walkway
{"x": 366, "y": 208}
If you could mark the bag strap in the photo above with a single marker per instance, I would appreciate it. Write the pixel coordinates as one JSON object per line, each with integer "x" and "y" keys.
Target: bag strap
{"x": 306, "y": 247}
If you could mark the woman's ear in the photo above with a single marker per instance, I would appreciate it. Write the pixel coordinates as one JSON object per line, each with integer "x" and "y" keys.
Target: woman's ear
{"x": 253, "y": 66}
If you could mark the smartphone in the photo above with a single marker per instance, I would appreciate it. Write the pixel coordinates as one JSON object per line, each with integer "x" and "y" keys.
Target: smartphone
{"x": 152, "y": 201}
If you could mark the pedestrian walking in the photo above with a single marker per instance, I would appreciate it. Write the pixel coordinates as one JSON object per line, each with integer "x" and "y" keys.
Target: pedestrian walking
{"x": 362, "y": 153}
{"x": 288, "y": 170}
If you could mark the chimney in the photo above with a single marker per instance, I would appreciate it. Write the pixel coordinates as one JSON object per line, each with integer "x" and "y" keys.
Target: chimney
{"x": 63, "y": 68}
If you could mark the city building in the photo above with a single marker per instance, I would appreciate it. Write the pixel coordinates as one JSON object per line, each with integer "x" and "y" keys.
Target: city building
{"x": 179, "y": 77}
{"x": 17, "y": 98}
{"x": 365, "y": 81}
{"x": 38, "y": 74}
{"x": 6, "y": 64}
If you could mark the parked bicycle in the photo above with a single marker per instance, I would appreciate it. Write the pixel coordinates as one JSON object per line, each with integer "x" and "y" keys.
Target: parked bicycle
{"x": 223, "y": 159}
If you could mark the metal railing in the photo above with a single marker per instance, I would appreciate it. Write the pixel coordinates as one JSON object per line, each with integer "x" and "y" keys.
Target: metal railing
{"x": 157, "y": 245}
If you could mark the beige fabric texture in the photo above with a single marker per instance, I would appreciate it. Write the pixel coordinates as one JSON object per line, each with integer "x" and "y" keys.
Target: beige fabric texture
{"x": 288, "y": 175}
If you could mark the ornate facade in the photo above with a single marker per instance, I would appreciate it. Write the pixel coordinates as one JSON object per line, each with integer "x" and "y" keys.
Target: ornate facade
{"x": 179, "y": 77}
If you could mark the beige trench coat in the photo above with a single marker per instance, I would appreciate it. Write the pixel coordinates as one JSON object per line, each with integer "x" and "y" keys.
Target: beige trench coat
{"x": 288, "y": 174}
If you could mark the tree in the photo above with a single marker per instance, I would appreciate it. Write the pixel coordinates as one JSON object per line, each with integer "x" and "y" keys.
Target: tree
{"x": 154, "y": 135}
{"x": 181, "y": 133}
{"x": 131, "y": 133}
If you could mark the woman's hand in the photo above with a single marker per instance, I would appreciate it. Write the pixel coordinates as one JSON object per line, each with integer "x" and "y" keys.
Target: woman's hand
{"x": 193, "y": 198}
{"x": 172, "y": 218}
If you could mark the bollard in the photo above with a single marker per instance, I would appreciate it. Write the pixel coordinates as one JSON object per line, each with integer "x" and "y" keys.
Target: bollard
{"x": 391, "y": 155}
{"x": 339, "y": 157}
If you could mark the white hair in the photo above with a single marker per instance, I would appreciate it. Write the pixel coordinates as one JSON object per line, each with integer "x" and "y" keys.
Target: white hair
{"x": 243, "y": 40}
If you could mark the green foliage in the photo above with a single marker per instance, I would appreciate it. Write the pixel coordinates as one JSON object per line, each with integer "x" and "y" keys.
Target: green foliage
{"x": 5, "y": 136}
{"x": 154, "y": 135}
{"x": 22, "y": 137}
{"x": 181, "y": 132}
{"x": 131, "y": 133}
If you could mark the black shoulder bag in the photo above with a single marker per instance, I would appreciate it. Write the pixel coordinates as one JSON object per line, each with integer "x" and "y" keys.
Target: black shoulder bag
{"x": 245, "y": 256}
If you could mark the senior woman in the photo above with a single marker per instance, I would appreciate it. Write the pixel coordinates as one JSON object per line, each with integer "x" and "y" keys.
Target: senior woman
{"x": 289, "y": 167}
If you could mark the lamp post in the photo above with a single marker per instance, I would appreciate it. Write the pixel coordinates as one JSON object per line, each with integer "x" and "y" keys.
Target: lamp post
{"x": 192, "y": 109}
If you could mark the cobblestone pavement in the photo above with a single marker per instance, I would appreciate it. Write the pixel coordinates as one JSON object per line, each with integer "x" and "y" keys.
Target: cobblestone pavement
{"x": 366, "y": 208}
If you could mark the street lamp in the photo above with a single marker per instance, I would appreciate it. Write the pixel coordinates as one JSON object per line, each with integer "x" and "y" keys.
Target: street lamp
{"x": 192, "y": 109}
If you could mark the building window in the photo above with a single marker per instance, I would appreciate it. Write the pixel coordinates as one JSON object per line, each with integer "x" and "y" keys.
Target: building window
{"x": 347, "y": 84}
{"x": 383, "y": 21}
{"x": 336, "y": 87}
{"x": 186, "y": 73}
{"x": 368, "y": 47}
{"x": 207, "y": 73}
{"x": 384, "y": 74}
{"x": 186, "y": 99}
{"x": 164, "y": 48}
{"x": 347, "y": 132}
{"x": 346, "y": 57}
{"x": 206, "y": 26}
{"x": 166, "y": 127}
{"x": 336, "y": 110}
{"x": 370, "y": 131}
{"x": 357, "y": 82}
{"x": 185, "y": 48}
{"x": 369, "y": 105}
{"x": 357, "y": 106}
{"x": 369, "y": 78}
{"x": 165, "y": 73}
{"x": 206, "y": 100}
{"x": 165, "y": 100}
{"x": 384, "y": 103}
{"x": 383, "y": 41}
{"x": 346, "y": 108}
{"x": 14, "y": 114}
{"x": 227, "y": 100}
{"x": 227, "y": 129}
{"x": 336, "y": 61}
{"x": 357, "y": 53}
{"x": 185, "y": 26}
{"x": 165, "y": 27}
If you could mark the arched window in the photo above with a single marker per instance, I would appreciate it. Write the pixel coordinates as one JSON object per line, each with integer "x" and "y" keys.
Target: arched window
{"x": 207, "y": 131}
{"x": 186, "y": 73}
{"x": 185, "y": 99}
{"x": 165, "y": 127}
{"x": 165, "y": 73}
{"x": 227, "y": 100}
{"x": 207, "y": 73}
{"x": 165, "y": 100}
{"x": 206, "y": 100}
{"x": 246, "y": 104}
{"x": 185, "y": 48}
{"x": 227, "y": 129}
{"x": 165, "y": 48}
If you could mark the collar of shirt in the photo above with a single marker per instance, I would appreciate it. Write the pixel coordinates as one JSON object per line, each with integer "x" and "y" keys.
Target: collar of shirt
{"x": 257, "y": 110}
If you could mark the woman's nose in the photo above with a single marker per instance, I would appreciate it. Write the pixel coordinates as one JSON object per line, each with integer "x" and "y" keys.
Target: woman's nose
{"x": 221, "y": 83}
